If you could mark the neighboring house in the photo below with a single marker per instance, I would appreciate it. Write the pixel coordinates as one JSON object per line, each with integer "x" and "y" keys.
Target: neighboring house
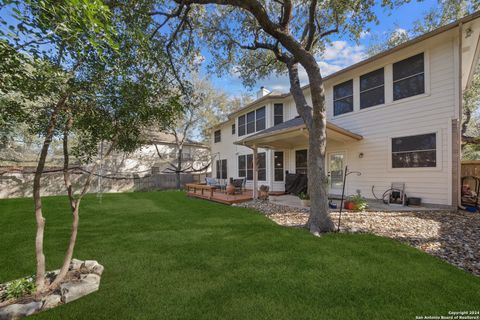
{"x": 195, "y": 154}
{"x": 394, "y": 117}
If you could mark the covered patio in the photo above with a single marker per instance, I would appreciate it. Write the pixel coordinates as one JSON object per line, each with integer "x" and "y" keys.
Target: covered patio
{"x": 288, "y": 135}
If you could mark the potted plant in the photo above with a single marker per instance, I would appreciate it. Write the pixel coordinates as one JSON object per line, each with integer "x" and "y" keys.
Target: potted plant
{"x": 304, "y": 199}
{"x": 356, "y": 202}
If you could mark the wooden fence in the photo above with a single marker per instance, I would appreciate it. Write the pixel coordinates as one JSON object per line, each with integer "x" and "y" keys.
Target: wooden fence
{"x": 165, "y": 181}
{"x": 471, "y": 168}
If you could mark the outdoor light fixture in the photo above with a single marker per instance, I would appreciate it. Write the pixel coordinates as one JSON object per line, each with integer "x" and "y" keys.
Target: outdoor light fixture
{"x": 360, "y": 155}
{"x": 468, "y": 32}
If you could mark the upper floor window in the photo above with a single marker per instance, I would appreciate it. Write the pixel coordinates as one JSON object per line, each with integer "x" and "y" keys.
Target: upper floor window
{"x": 415, "y": 151}
{"x": 277, "y": 113}
{"x": 260, "y": 116}
{"x": 343, "y": 98}
{"x": 252, "y": 122}
{"x": 372, "y": 89}
{"x": 217, "y": 136}
{"x": 409, "y": 77}
{"x": 233, "y": 128}
{"x": 241, "y": 125}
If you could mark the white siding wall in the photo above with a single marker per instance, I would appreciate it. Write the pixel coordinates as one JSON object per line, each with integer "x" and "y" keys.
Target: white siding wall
{"x": 427, "y": 113}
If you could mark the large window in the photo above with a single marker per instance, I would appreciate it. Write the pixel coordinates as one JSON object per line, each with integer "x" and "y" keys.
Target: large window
{"x": 217, "y": 136}
{"x": 409, "y": 77}
{"x": 343, "y": 98}
{"x": 252, "y": 122}
{"x": 372, "y": 89}
{"x": 301, "y": 161}
{"x": 414, "y": 151}
{"x": 278, "y": 165}
{"x": 245, "y": 166}
{"x": 221, "y": 166}
{"x": 277, "y": 113}
{"x": 241, "y": 125}
{"x": 260, "y": 119}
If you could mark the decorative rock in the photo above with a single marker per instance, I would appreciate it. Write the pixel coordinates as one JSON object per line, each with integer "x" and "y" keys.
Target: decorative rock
{"x": 75, "y": 264}
{"x": 52, "y": 301}
{"x": 94, "y": 266}
{"x": 82, "y": 278}
{"x": 74, "y": 290}
{"x": 15, "y": 311}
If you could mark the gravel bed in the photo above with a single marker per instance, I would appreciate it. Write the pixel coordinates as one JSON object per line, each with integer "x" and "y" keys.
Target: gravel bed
{"x": 451, "y": 236}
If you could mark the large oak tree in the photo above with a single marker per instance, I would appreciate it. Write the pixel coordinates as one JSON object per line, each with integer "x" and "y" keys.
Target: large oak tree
{"x": 259, "y": 37}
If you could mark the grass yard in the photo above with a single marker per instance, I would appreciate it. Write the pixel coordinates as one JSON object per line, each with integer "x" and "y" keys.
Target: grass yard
{"x": 167, "y": 256}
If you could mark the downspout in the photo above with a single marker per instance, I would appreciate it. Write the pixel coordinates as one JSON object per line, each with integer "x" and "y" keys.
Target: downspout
{"x": 460, "y": 116}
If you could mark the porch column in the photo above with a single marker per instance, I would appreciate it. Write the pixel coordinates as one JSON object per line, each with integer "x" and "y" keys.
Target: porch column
{"x": 255, "y": 171}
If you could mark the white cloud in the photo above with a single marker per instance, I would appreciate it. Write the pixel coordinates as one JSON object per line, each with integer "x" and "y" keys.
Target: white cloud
{"x": 364, "y": 34}
{"x": 338, "y": 55}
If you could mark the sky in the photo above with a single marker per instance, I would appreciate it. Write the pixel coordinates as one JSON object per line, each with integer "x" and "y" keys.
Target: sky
{"x": 340, "y": 54}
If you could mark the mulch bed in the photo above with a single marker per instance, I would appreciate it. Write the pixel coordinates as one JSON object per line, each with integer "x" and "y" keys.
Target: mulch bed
{"x": 451, "y": 236}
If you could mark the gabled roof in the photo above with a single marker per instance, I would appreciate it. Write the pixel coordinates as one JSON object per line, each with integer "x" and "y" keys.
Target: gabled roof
{"x": 368, "y": 60}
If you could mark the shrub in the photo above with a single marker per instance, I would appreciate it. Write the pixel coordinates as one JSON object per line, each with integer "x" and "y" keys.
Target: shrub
{"x": 359, "y": 201}
{"x": 304, "y": 196}
{"x": 21, "y": 287}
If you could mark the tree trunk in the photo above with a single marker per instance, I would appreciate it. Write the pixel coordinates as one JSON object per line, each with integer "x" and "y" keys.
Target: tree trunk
{"x": 315, "y": 121}
{"x": 40, "y": 220}
{"x": 179, "y": 167}
{"x": 71, "y": 246}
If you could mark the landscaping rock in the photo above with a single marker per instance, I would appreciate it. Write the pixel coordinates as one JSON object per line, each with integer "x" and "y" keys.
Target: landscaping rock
{"x": 94, "y": 267}
{"x": 16, "y": 311}
{"x": 75, "y": 264}
{"x": 72, "y": 291}
{"x": 82, "y": 278}
{"x": 52, "y": 301}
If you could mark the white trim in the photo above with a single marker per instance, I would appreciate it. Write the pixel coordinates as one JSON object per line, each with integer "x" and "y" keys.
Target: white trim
{"x": 327, "y": 159}
{"x": 439, "y": 153}
{"x": 388, "y": 83}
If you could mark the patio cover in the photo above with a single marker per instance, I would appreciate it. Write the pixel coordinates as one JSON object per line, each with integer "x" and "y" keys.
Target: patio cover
{"x": 292, "y": 132}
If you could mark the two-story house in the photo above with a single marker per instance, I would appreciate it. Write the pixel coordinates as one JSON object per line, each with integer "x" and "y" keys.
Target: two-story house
{"x": 394, "y": 117}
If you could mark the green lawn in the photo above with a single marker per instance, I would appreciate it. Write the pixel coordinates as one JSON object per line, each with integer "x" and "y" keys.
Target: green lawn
{"x": 170, "y": 257}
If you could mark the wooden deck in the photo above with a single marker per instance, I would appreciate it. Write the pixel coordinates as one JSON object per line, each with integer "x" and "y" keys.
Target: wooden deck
{"x": 221, "y": 197}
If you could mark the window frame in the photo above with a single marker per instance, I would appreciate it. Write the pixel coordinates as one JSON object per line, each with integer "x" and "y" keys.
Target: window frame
{"x": 424, "y": 73}
{"x": 344, "y": 97}
{"x": 233, "y": 129}
{"x": 275, "y": 115}
{"x": 242, "y": 125}
{"x": 279, "y": 169}
{"x": 439, "y": 153}
{"x": 217, "y": 139}
{"x": 248, "y": 164}
{"x": 220, "y": 165}
{"x": 371, "y": 89}
{"x": 306, "y": 168}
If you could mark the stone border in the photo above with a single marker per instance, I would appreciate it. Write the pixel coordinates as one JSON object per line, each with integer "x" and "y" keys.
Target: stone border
{"x": 82, "y": 279}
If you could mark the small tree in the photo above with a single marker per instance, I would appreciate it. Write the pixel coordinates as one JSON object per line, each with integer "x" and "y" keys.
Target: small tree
{"x": 259, "y": 37}
{"x": 65, "y": 76}
{"x": 204, "y": 106}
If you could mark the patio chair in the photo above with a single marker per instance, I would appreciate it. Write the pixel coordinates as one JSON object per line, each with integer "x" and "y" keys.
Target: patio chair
{"x": 239, "y": 185}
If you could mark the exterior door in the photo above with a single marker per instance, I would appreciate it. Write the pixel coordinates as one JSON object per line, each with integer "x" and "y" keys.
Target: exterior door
{"x": 336, "y": 166}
